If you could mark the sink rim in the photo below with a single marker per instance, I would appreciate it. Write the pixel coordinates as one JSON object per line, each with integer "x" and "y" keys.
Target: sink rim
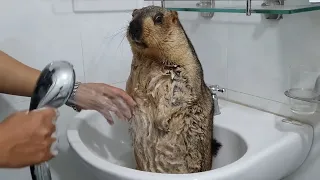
{"x": 242, "y": 163}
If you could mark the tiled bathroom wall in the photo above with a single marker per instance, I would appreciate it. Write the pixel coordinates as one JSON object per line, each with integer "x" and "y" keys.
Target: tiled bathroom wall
{"x": 247, "y": 55}
{"x": 251, "y": 56}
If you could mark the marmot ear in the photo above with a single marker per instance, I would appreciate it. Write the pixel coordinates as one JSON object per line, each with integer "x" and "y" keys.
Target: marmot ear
{"x": 134, "y": 11}
{"x": 174, "y": 16}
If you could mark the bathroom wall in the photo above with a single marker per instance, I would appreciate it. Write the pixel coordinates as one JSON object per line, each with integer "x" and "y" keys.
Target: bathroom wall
{"x": 248, "y": 55}
{"x": 251, "y": 56}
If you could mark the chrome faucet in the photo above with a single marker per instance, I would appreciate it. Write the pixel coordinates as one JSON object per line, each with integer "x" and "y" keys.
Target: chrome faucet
{"x": 54, "y": 87}
{"x": 214, "y": 89}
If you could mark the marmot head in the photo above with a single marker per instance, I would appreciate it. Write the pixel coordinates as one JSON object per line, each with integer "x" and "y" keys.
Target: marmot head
{"x": 153, "y": 27}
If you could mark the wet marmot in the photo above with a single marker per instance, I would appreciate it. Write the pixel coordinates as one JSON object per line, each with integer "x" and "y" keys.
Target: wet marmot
{"x": 172, "y": 127}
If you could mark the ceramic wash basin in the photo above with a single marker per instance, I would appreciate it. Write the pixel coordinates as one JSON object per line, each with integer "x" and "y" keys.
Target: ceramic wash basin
{"x": 256, "y": 146}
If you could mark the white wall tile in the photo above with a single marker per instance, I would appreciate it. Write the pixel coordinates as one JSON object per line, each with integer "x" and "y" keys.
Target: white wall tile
{"x": 105, "y": 5}
{"x": 254, "y": 63}
{"x": 121, "y": 85}
{"x": 35, "y": 37}
{"x": 210, "y": 40}
{"x": 260, "y": 53}
{"x": 106, "y": 52}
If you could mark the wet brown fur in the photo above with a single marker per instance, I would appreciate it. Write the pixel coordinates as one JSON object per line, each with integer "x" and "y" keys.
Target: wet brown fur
{"x": 172, "y": 127}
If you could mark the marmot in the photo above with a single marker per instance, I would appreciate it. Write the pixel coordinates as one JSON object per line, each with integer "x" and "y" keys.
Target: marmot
{"x": 172, "y": 127}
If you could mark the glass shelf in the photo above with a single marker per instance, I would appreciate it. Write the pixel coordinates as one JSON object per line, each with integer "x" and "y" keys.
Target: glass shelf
{"x": 240, "y": 7}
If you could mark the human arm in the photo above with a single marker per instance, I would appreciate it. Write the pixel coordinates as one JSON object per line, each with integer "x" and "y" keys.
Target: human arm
{"x": 19, "y": 79}
{"x": 16, "y": 78}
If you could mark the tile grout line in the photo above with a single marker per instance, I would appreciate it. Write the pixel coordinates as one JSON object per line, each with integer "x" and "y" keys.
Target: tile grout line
{"x": 83, "y": 64}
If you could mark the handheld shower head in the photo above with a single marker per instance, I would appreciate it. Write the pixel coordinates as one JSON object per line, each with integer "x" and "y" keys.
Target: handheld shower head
{"x": 54, "y": 85}
{"x": 53, "y": 89}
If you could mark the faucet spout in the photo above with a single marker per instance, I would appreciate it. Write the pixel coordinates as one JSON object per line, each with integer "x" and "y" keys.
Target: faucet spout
{"x": 214, "y": 89}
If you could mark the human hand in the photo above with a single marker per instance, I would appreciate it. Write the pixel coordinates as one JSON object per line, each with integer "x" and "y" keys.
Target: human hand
{"x": 104, "y": 98}
{"x": 26, "y": 138}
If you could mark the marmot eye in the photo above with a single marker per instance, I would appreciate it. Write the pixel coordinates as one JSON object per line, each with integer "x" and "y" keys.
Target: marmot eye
{"x": 158, "y": 19}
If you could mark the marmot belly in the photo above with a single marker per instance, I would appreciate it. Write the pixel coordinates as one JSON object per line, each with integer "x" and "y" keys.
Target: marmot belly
{"x": 171, "y": 133}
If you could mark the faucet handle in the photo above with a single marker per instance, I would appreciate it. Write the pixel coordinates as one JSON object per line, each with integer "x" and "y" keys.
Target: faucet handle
{"x": 216, "y": 88}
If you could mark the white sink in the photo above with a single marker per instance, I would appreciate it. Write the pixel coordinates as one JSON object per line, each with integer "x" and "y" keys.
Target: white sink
{"x": 256, "y": 146}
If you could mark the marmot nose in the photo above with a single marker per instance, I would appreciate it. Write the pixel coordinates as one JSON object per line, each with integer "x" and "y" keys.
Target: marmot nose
{"x": 135, "y": 29}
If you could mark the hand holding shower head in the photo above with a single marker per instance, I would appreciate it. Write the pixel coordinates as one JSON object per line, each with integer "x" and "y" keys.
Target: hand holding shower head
{"x": 53, "y": 89}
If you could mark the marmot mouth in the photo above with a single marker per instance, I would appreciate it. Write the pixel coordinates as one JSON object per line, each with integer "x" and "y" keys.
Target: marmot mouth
{"x": 140, "y": 43}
